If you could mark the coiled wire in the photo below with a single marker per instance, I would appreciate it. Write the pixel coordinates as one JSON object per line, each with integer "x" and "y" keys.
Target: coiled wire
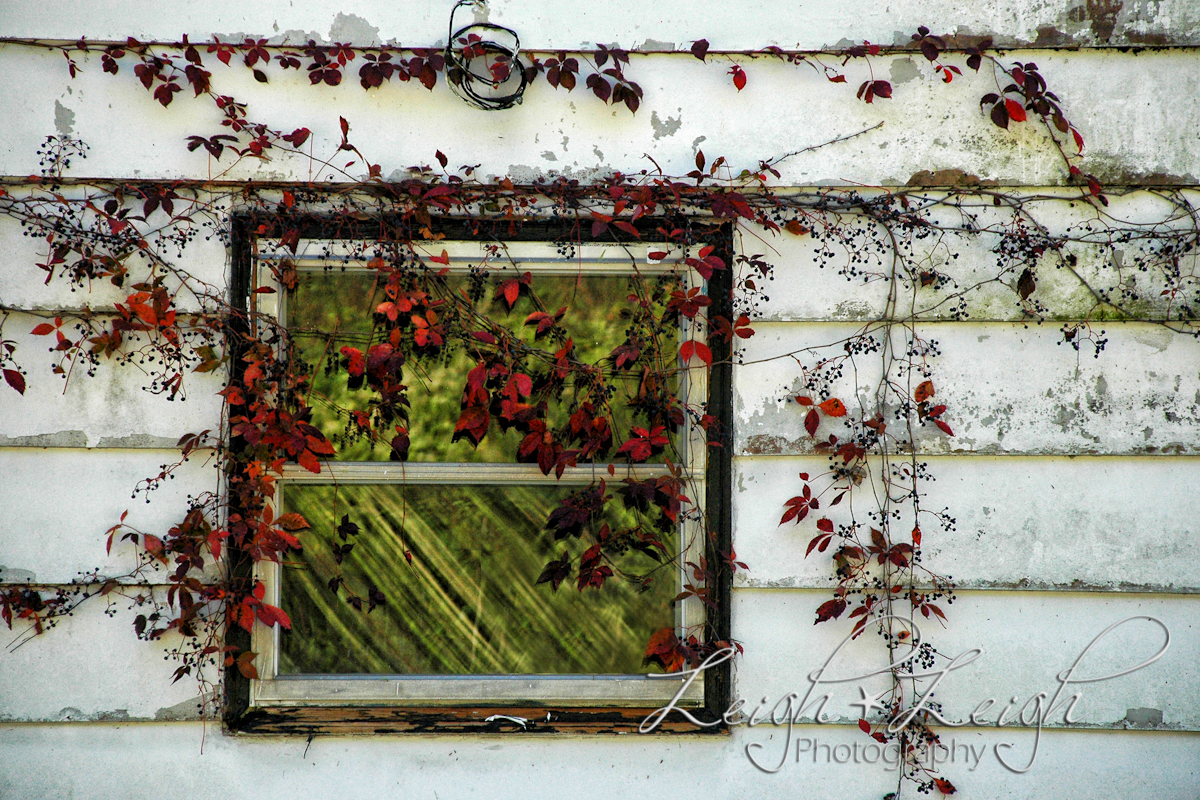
{"x": 471, "y": 53}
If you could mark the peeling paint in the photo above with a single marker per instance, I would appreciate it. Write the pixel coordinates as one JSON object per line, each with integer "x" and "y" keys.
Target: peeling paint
{"x": 946, "y": 177}
{"x": 656, "y": 46}
{"x": 187, "y": 710}
{"x": 549, "y": 156}
{"x": 16, "y": 575}
{"x": 64, "y": 119}
{"x": 353, "y": 29}
{"x": 904, "y": 70}
{"x": 72, "y": 714}
{"x": 1144, "y": 717}
{"x": 667, "y": 128}
{"x": 749, "y": 582}
{"x": 137, "y": 440}
{"x": 60, "y": 439}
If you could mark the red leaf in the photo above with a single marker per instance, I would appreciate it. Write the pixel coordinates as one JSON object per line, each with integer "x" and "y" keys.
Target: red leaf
{"x": 833, "y": 407}
{"x": 864, "y": 726}
{"x": 923, "y": 392}
{"x": 804, "y": 401}
{"x": 270, "y": 615}
{"x": 811, "y": 421}
{"x": 663, "y": 647}
{"x": 700, "y": 48}
{"x": 739, "y": 77}
{"x": 244, "y": 616}
{"x": 297, "y": 137}
{"x": 944, "y": 786}
{"x": 916, "y": 536}
{"x": 15, "y": 379}
{"x": 1015, "y": 111}
{"x": 43, "y": 329}
{"x": 945, "y": 428}
{"x": 692, "y": 348}
{"x": 831, "y": 609}
{"x": 825, "y": 524}
{"x": 292, "y": 522}
{"x": 1078, "y": 139}
{"x": 309, "y": 461}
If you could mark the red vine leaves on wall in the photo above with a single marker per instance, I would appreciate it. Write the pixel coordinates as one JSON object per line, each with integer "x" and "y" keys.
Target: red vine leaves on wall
{"x": 173, "y": 325}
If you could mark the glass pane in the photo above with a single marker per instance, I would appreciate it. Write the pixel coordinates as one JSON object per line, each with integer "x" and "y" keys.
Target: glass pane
{"x": 332, "y": 310}
{"x": 469, "y": 602}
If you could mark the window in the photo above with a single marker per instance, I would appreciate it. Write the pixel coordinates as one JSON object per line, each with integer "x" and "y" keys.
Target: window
{"x": 468, "y": 481}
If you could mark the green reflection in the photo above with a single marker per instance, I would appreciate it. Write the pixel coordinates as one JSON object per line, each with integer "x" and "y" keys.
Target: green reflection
{"x": 330, "y": 310}
{"x": 468, "y": 603}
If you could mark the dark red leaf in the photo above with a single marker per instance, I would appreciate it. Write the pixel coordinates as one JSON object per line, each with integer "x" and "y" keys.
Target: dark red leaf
{"x": 811, "y": 422}
{"x": 831, "y": 609}
{"x": 15, "y": 379}
{"x": 1000, "y": 115}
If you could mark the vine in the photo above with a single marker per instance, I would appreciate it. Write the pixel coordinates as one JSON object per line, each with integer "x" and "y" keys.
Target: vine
{"x": 566, "y": 409}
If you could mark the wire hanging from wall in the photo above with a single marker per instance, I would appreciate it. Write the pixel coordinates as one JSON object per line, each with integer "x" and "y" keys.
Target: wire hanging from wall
{"x": 482, "y": 66}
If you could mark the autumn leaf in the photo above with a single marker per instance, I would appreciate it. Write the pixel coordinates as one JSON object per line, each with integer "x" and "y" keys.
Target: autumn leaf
{"x": 944, "y": 786}
{"x": 923, "y": 392}
{"x": 692, "y": 348}
{"x": 663, "y": 649}
{"x": 272, "y": 615}
{"x": 831, "y": 609}
{"x": 833, "y": 407}
{"x": 1015, "y": 111}
{"x": 1026, "y": 284}
{"x": 15, "y": 379}
{"x": 739, "y": 77}
{"x": 811, "y": 421}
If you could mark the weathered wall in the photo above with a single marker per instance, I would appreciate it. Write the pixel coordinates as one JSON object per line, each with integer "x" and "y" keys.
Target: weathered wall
{"x": 1072, "y": 478}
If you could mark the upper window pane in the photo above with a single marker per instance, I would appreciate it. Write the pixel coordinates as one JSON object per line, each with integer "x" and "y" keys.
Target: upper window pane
{"x": 331, "y": 310}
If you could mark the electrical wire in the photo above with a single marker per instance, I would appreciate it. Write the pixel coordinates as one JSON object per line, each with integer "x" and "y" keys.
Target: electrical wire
{"x": 503, "y": 80}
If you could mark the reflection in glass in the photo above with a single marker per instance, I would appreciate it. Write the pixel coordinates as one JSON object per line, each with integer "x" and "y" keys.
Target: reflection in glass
{"x": 468, "y": 603}
{"x": 331, "y": 310}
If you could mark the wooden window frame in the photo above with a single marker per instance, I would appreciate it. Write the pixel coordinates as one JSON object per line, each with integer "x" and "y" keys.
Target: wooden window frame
{"x": 242, "y": 715}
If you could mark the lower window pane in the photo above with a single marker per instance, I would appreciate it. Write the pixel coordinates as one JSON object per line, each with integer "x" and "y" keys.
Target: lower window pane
{"x": 469, "y": 602}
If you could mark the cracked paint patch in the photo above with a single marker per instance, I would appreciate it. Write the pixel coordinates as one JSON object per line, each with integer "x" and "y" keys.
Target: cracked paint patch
{"x": 904, "y": 70}
{"x": 16, "y": 575}
{"x": 355, "y": 29}
{"x": 187, "y": 710}
{"x": 1144, "y": 717}
{"x": 667, "y": 128}
{"x": 64, "y": 119}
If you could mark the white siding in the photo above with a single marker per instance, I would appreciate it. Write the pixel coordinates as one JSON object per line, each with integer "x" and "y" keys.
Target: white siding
{"x": 1072, "y": 478}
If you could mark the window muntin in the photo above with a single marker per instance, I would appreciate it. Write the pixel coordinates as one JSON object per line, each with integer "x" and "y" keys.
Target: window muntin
{"x": 387, "y": 679}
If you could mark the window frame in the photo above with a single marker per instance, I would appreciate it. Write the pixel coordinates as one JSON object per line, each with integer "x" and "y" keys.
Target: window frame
{"x": 350, "y": 705}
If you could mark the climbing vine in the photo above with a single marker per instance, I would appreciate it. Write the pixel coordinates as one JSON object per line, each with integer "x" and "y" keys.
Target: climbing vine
{"x": 865, "y": 510}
